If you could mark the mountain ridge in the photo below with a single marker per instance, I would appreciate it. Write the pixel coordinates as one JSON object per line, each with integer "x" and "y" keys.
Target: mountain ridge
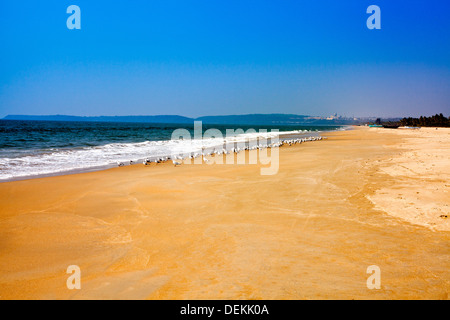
{"x": 249, "y": 119}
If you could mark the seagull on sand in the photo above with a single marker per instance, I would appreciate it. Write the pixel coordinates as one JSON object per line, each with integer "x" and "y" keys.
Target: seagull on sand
{"x": 176, "y": 163}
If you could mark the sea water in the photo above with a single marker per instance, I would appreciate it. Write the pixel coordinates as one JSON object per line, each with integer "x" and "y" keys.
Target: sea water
{"x": 40, "y": 148}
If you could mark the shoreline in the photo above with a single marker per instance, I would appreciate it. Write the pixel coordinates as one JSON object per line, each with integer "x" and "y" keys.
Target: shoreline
{"x": 139, "y": 161}
{"x": 226, "y": 232}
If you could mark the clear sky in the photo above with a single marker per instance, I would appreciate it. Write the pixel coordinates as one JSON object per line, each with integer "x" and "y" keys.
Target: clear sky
{"x": 195, "y": 58}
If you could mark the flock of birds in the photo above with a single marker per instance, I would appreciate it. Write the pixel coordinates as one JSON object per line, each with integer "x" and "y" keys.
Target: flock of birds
{"x": 177, "y": 160}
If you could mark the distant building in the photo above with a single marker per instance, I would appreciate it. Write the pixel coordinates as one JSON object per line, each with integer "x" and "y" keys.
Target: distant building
{"x": 333, "y": 117}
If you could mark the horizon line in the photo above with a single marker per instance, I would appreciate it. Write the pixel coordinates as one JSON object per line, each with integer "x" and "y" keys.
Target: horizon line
{"x": 203, "y": 116}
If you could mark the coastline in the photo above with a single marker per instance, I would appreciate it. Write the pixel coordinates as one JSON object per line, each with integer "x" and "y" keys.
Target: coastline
{"x": 226, "y": 232}
{"x": 209, "y": 143}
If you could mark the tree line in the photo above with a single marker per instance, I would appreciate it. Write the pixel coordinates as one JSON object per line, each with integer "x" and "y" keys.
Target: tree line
{"x": 437, "y": 120}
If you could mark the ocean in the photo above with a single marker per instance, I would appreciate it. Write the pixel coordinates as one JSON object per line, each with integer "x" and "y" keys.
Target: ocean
{"x": 31, "y": 149}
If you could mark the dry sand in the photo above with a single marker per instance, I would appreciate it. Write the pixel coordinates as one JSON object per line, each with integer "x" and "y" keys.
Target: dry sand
{"x": 362, "y": 197}
{"x": 419, "y": 179}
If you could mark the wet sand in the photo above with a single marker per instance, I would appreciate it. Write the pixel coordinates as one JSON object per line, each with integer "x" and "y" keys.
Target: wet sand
{"x": 359, "y": 198}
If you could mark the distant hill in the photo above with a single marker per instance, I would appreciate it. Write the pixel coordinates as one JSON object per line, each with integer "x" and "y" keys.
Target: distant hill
{"x": 146, "y": 119}
{"x": 248, "y": 119}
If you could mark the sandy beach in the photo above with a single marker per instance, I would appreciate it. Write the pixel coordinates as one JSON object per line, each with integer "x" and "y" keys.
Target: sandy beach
{"x": 359, "y": 198}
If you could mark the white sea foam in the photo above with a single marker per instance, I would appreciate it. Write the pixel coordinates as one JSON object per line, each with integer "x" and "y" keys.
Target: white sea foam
{"x": 59, "y": 161}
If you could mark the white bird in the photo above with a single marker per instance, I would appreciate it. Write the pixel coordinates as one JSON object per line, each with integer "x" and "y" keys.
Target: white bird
{"x": 120, "y": 164}
{"x": 176, "y": 163}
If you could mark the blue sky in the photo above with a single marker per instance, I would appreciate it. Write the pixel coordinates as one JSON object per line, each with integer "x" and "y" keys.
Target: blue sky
{"x": 197, "y": 58}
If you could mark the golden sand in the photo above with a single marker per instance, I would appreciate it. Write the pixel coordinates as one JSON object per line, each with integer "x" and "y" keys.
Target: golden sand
{"x": 362, "y": 197}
